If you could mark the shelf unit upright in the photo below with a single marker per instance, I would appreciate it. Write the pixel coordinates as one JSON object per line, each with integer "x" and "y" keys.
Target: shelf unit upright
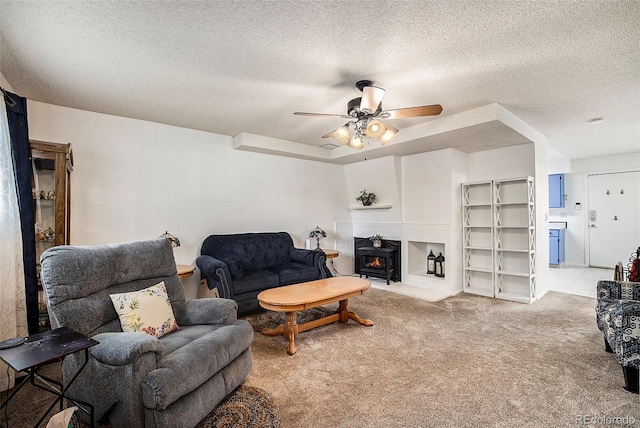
{"x": 514, "y": 239}
{"x": 477, "y": 235}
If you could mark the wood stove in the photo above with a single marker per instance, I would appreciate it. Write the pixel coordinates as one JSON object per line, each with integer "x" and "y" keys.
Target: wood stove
{"x": 383, "y": 262}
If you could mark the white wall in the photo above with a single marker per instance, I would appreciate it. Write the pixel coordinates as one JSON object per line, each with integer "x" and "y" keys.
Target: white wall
{"x": 5, "y": 84}
{"x": 575, "y": 187}
{"x": 557, "y": 162}
{"x": 427, "y": 186}
{"x": 509, "y": 162}
{"x": 133, "y": 180}
{"x": 382, "y": 177}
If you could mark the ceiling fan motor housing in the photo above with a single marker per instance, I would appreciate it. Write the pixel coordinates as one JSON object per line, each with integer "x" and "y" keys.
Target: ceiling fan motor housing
{"x": 353, "y": 107}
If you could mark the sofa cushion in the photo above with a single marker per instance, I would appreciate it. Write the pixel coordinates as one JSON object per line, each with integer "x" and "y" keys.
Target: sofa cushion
{"x": 187, "y": 334}
{"x": 191, "y": 365}
{"x": 235, "y": 269}
{"x": 146, "y": 311}
{"x": 292, "y": 273}
{"x": 254, "y": 280}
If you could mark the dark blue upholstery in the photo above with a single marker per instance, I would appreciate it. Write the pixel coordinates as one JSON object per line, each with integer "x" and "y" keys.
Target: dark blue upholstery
{"x": 617, "y": 314}
{"x": 242, "y": 265}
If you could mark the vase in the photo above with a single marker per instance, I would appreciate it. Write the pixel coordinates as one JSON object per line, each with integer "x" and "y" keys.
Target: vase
{"x": 377, "y": 243}
{"x": 367, "y": 203}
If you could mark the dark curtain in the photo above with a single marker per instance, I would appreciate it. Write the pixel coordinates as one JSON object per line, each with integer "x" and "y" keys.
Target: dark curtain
{"x": 19, "y": 134}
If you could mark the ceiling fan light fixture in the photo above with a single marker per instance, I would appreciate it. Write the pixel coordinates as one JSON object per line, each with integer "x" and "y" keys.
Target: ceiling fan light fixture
{"x": 341, "y": 135}
{"x": 371, "y": 99}
{"x": 375, "y": 129}
{"x": 388, "y": 136}
{"x": 366, "y": 116}
{"x": 356, "y": 142}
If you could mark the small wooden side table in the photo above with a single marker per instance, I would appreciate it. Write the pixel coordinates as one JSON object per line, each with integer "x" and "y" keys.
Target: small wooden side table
{"x": 185, "y": 271}
{"x": 45, "y": 348}
{"x": 332, "y": 254}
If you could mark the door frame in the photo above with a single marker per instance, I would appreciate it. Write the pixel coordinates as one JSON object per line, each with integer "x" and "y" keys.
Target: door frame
{"x": 585, "y": 215}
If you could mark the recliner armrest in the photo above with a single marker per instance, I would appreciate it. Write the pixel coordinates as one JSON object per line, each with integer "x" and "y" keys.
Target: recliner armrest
{"x": 121, "y": 348}
{"x": 208, "y": 311}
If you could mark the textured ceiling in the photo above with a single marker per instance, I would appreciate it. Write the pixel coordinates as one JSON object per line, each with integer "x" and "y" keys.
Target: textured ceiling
{"x": 245, "y": 66}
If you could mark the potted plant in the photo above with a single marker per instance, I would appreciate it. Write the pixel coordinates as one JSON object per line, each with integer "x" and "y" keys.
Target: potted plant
{"x": 377, "y": 240}
{"x": 367, "y": 198}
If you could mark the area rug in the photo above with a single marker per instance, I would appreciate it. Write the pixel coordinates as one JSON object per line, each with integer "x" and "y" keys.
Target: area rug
{"x": 271, "y": 319}
{"x": 245, "y": 407}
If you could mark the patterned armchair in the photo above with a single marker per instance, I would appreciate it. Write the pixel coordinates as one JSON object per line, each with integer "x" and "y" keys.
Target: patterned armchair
{"x": 618, "y": 317}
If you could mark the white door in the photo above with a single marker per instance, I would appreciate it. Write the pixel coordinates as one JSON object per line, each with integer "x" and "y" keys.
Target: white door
{"x": 613, "y": 218}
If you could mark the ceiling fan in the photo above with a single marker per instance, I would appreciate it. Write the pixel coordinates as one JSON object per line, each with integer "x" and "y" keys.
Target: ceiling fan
{"x": 366, "y": 114}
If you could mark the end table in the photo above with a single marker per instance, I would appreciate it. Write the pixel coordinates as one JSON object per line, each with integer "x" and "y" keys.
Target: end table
{"x": 45, "y": 348}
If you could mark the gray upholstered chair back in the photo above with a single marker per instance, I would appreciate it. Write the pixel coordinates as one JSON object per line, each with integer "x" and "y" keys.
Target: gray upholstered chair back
{"x": 78, "y": 281}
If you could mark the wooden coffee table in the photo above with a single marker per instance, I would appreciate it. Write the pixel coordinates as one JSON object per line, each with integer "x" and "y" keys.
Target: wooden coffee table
{"x": 297, "y": 297}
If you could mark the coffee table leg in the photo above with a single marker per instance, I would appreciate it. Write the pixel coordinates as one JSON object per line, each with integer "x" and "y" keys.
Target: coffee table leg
{"x": 291, "y": 331}
{"x": 346, "y": 314}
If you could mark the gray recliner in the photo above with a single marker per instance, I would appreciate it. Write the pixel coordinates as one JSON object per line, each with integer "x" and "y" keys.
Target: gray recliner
{"x": 173, "y": 381}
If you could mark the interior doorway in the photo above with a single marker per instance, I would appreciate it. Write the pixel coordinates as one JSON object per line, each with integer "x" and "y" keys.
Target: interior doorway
{"x": 613, "y": 217}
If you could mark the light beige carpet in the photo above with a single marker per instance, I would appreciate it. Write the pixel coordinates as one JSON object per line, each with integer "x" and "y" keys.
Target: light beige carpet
{"x": 466, "y": 361}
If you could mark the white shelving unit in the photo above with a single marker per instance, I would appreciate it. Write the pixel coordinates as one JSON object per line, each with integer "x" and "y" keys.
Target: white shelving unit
{"x": 514, "y": 239}
{"x": 477, "y": 236}
{"x": 498, "y": 233}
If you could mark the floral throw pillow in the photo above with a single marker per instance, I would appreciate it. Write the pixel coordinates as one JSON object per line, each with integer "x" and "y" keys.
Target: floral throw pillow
{"x": 145, "y": 311}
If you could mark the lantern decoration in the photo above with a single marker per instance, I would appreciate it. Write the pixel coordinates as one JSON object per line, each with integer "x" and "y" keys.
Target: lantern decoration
{"x": 431, "y": 263}
{"x": 439, "y": 261}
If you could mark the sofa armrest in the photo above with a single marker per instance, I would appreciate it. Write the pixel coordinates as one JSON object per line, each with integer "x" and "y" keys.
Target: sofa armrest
{"x": 315, "y": 258}
{"x": 208, "y": 311}
{"x": 616, "y": 290}
{"x": 121, "y": 348}
{"x": 217, "y": 274}
{"x": 607, "y": 290}
{"x": 624, "y": 330}
{"x": 307, "y": 257}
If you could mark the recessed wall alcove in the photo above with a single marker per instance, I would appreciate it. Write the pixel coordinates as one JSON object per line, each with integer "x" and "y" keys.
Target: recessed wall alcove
{"x": 417, "y": 253}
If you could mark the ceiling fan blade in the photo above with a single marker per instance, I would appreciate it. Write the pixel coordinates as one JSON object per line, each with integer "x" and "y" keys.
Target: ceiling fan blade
{"x": 299, "y": 113}
{"x": 400, "y": 113}
{"x": 395, "y": 130}
{"x": 371, "y": 98}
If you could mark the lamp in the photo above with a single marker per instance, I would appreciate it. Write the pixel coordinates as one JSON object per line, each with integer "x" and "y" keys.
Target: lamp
{"x": 318, "y": 234}
{"x": 175, "y": 242}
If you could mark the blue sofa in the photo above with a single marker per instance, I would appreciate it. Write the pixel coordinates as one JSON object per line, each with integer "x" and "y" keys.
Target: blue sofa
{"x": 242, "y": 265}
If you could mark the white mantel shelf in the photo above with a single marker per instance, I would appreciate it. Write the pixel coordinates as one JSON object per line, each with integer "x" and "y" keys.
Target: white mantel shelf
{"x": 370, "y": 207}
